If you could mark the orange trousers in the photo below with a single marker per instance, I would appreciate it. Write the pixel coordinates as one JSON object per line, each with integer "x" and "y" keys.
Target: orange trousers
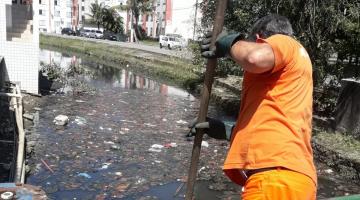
{"x": 279, "y": 184}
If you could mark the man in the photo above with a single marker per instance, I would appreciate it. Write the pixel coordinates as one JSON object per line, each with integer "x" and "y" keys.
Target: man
{"x": 270, "y": 153}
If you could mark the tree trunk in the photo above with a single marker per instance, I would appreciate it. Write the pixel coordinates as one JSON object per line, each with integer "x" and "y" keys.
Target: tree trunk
{"x": 137, "y": 30}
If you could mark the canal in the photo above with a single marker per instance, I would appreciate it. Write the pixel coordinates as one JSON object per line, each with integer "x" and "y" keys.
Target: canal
{"x": 126, "y": 139}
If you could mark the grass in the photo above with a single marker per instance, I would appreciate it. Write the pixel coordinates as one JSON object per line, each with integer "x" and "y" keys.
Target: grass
{"x": 150, "y": 42}
{"x": 171, "y": 69}
{"x": 342, "y": 143}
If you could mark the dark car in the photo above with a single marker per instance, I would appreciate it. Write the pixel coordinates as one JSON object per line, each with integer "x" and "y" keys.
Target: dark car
{"x": 67, "y": 31}
{"x": 108, "y": 35}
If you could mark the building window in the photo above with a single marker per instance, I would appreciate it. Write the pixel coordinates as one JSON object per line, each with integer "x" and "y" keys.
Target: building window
{"x": 55, "y": 2}
{"x": 68, "y": 14}
{"x": 82, "y": 8}
{"x": 40, "y": 12}
{"x": 39, "y": 1}
{"x": 57, "y": 13}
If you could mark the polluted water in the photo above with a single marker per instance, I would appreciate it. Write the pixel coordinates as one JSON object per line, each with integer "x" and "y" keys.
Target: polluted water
{"x": 124, "y": 138}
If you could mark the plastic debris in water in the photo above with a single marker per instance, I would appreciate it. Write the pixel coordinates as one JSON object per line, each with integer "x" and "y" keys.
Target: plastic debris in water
{"x": 204, "y": 144}
{"x": 80, "y": 120}
{"x": 79, "y": 101}
{"x": 61, "y": 120}
{"x": 172, "y": 144}
{"x": 181, "y": 122}
{"x": 156, "y": 148}
{"x": 150, "y": 125}
{"x": 105, "y": 165}
{"x": 328, "y": 171}
{"x": 108, "y": 142}
{"x": 86, "y": 175}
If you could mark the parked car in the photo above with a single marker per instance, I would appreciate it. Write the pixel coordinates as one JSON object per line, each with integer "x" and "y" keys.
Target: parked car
{"x": 171, "y": 42}
{"x": 110, "y": 36}
{"x": 99, "y": 35}
{"x": 84, "y": 32}
{"x": 91, "y": 34}
{"x": 67, "y": 31}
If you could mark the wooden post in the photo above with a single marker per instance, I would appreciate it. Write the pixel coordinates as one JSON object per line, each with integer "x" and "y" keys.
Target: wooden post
{"x": 204, "y": 103}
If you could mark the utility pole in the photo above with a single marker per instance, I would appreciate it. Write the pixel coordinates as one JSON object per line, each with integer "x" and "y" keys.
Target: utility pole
{"x": 196, "y": 8}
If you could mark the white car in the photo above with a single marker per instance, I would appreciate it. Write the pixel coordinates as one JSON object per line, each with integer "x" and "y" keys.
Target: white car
{"x": 99, "y": 35}
{"x": 171, "y": 42}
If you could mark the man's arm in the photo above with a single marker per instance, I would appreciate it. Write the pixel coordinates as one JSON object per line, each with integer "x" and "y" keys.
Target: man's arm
{"x": 253, "y": 57}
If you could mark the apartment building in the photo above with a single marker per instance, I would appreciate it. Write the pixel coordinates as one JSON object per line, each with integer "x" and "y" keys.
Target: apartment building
{"x": 55, "y": 15}
{"x": 171, "y": 17}
{"x": 19, "y": 43}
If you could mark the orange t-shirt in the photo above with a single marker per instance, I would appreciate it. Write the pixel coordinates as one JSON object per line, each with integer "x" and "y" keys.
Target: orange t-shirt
{"x": 274, "y": 124}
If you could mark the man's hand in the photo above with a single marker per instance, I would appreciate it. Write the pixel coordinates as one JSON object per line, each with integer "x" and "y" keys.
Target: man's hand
{"x": 222, "y": 45}
{"x": 212, "y": 127}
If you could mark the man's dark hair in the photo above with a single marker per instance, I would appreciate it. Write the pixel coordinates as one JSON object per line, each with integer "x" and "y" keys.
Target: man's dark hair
{"x": 270, "y": 25}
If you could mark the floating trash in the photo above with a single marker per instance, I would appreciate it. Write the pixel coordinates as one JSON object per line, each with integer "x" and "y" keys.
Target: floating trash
{"x": 204, "y": 144}
{"x": 61, "y": 120}
{"x": 86, "y": 175}
{"x": 80, "y": 120}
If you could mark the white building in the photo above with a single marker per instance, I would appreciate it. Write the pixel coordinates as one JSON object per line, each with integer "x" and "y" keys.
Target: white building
{"x": 173, "y": 16}
{"x": 57, "y": 14}
{"x": 19, "y": 43}
{"x": 183, "y": 18}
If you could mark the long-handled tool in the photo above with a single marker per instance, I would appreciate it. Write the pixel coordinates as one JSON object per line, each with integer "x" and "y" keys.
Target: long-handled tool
{"x": 204, "y": 103}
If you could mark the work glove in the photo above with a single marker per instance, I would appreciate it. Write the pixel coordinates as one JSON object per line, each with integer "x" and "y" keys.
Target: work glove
{"x": 212, "y": 127}
{"x": 222, "y": 45}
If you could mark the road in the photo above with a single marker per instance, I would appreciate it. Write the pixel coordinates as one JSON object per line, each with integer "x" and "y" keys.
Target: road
{"x": 185, "y": 53}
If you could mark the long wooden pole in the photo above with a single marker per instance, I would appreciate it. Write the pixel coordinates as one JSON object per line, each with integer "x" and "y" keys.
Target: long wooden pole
{"x": 205, "y": 96}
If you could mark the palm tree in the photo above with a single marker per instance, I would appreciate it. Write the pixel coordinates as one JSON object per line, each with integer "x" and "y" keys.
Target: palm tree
{"x": 137, "y": 7}
{"x": 112, "y": 21}
{"x": 96, "y": 13}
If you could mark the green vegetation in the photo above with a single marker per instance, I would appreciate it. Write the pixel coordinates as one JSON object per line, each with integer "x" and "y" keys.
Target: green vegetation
{"x": 137, "y": 7}
{"x": 172, "y": 69}
{"x": 345, "y": 144}
{"x": 107, "y": 17}
{"x": 329, "y": 30}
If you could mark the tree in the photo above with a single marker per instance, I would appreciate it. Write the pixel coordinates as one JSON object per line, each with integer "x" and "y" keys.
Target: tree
{"x": 96, "y": 13}
{"x": 327, "y": 29}
{"x": 112, "y": 21}
{"x": 137, "y": 7}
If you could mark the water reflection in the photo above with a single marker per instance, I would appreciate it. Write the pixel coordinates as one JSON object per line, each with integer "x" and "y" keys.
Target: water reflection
{"x": 100, "y": 76}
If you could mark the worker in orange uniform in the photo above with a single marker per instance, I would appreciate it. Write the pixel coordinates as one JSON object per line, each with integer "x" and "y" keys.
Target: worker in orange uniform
{"x": 270, "y": 153}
